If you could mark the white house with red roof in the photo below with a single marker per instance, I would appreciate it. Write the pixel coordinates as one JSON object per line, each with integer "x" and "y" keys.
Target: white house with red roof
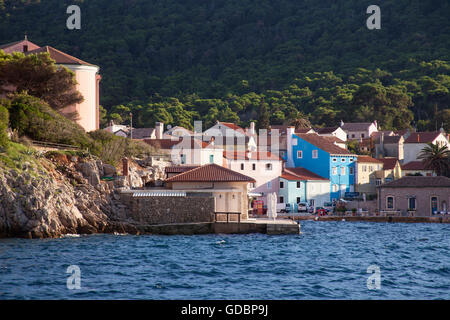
{"x": 86, "y": 75}
{"x": 416, "y": 141}
{"x": 232, "y": 137}
{"x": 262, "y": 166}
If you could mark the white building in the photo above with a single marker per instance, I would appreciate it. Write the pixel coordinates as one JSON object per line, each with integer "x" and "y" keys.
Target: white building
{"x": 416, "y": 141}
{"x": 359, "y": 130}
{"x": 337, "y": 132}
{"x": 264, "y": 167}
{"x": 232, "y": 137}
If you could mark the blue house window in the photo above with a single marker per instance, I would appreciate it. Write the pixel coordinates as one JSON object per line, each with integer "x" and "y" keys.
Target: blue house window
{"x": 315, "y": 154}
{"x": 342, "y": 171}
{"x": 334, "y": 171}
{"x": 211, "y": 158}
{"x": 299, "y": 154}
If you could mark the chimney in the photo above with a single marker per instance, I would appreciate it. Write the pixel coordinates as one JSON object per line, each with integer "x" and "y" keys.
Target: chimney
{"x": 125, "y": 167}
{"x": 252, "y": 128}
{"x": 376, "y": 124}
{"x": 342, "y": 123}
{"x": 418, "y": 137}
{"x": 159, "y": 129}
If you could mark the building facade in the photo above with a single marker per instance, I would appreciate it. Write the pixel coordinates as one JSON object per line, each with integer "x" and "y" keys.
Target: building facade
{"x": 420, "y": 196}
{"x": 366, "y": 175}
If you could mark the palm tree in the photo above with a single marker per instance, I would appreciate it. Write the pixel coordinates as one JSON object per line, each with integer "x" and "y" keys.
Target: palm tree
{"x": 436, "y": 158}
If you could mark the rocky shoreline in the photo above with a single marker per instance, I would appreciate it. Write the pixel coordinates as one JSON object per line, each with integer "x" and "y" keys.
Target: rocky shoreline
{"x": 64, "y": 196}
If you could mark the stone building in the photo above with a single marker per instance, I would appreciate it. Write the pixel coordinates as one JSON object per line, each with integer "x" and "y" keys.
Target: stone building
{"x": 229, "y": 188}
{"x": 421, "y": 196}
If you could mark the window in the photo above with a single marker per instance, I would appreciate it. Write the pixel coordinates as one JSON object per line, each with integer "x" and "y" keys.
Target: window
{"x": 362, "y": 135}
{"x": 364, "y": 168}
{"x": 351, "y": 159}
{"x": 281, "y": 184}
{"x": 351, "y": 170}
{"x": 211, "y": 158}
{"x": 342, "y": 171}
{"x": 299, "y": 154}
{"x": 334, "y": 171}
{"x": 268, "y": 166}
{"x": 343, "y": 160}
{"x": 334, "y": 160}
{"x": 315, "y": 154}
{"x": 412, "y": 203}
{"x": 298, "y": 184}
{"x": 269, "y": 185}
{"x": 294, "y": 142}
{"x": 254, "y": 166}
{"x": 335, "y": 188}
{"x": 282, "y": 154}
{"x": 183, "y": 159}
{"x": 299, "y": 199}
{"x": 390, "y": 202}
{"x": 378, "y": 182}
{"x": 370, "y": 168}
{"x": 281, "y": 200}
{"x": 242, "y": 166}
{"x": 353, "y": 135}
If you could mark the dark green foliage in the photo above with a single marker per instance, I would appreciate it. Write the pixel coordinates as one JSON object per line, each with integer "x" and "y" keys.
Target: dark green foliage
{"x": 4, "y": 120}
{"x": 218, "y": 58}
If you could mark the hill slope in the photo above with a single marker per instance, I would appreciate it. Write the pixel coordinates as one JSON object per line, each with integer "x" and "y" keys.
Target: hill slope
{"x": 215, "y": 47}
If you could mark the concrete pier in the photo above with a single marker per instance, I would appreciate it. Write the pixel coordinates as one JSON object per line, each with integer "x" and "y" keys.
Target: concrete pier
{"x": 265, "y": 226}
{"x": 441, "y": 219}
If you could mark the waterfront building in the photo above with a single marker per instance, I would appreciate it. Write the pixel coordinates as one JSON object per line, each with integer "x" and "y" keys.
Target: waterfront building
{"x": 229, "y": 188}
{"x": 414, "y": 168}
{"x": 391, "y": 171}
{"x": 419, "y": 196}
{"x": 322, "y": 157}
{"x": 264, "y": 167}
{"x": 300, "y": 185}
{"x": 366, "y": 175}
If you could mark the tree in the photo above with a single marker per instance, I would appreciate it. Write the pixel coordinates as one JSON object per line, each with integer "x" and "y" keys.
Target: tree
{"x": 436, "y": 158}
{"x": 38, "y": 75}
{"x": 4, "y": 120}
{"x": 264, "y": 116}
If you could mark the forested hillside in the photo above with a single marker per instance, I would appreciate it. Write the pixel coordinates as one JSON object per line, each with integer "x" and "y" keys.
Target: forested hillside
{"x": 241, "y": 60}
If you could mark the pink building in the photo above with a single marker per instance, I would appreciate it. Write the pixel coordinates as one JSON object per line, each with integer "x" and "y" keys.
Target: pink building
{"x": 86, "y": 74}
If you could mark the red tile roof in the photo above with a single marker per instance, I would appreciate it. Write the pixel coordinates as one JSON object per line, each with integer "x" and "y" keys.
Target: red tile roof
{"x": 334, "y": 139}
{"x": 233, "y": 126}
{"x": 419, "y": 182}
{"x": 242, "y": 155}
{"x": 368, "y": 159}
{"x": 414, "y": 165}
{"x": 422, "y": 137}
{"x": 210, "y": 173}
{"x": 389, "y": 163}
{"x": 179, "y": 169}
{"x": 324, "y": 144}
{"x": 300, "y": 174}
{"x": 59, "y": 56}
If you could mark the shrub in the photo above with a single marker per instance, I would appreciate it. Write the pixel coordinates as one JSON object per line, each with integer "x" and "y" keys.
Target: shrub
{"x": 4, "y": 120}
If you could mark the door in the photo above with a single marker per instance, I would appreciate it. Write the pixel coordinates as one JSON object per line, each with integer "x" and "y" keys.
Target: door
{"x": 434, "y": 205}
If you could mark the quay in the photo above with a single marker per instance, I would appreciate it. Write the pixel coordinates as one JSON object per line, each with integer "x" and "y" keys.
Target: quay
{"x": 350, "y": 218}
{"x": 257, "y": 225}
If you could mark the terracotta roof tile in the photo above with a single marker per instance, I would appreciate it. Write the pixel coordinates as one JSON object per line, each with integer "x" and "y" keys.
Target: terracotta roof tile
{"x": 422, "y": 137}
{"x": 324, "y": 144}
{"x": 300, "y": 174}
{"x": 368, "y": 159}
{"x": 179, "y": 169}
{"x": 59, "y": 56}
{"x": 414, "y": 165}
{"x": 419, "y": 182}
{"x": 389, "y": 163}
{"x": 210, "y": 173}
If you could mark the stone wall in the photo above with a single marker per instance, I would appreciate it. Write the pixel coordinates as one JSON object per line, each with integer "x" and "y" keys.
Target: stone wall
{"x": 195, "y": 207}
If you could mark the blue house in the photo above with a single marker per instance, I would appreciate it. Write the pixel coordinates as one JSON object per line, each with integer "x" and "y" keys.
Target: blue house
{"x": 322, "y": 157}
{"x": 300, "y": 185}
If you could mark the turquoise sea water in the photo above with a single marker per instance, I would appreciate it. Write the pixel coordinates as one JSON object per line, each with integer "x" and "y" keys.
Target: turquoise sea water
{"x": 329, "y": 260}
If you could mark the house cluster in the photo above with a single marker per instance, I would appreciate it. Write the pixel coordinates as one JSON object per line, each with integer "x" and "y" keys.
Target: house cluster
{"x": 309, "y": 166}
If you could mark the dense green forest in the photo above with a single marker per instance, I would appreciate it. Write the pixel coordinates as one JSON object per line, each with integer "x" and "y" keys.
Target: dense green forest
{"x": 182, "y": 60}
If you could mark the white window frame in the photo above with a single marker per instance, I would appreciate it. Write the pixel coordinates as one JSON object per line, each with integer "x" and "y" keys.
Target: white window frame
{"x": 269, "y": 166}
{"x": 281, "y": 184}
{"x": 315, "y": 154}
{"x": 393, "y": 202}
{"x": 334, "y": 171}
{"x": 343, "y": 171}
{"x": 299, "y": 154}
